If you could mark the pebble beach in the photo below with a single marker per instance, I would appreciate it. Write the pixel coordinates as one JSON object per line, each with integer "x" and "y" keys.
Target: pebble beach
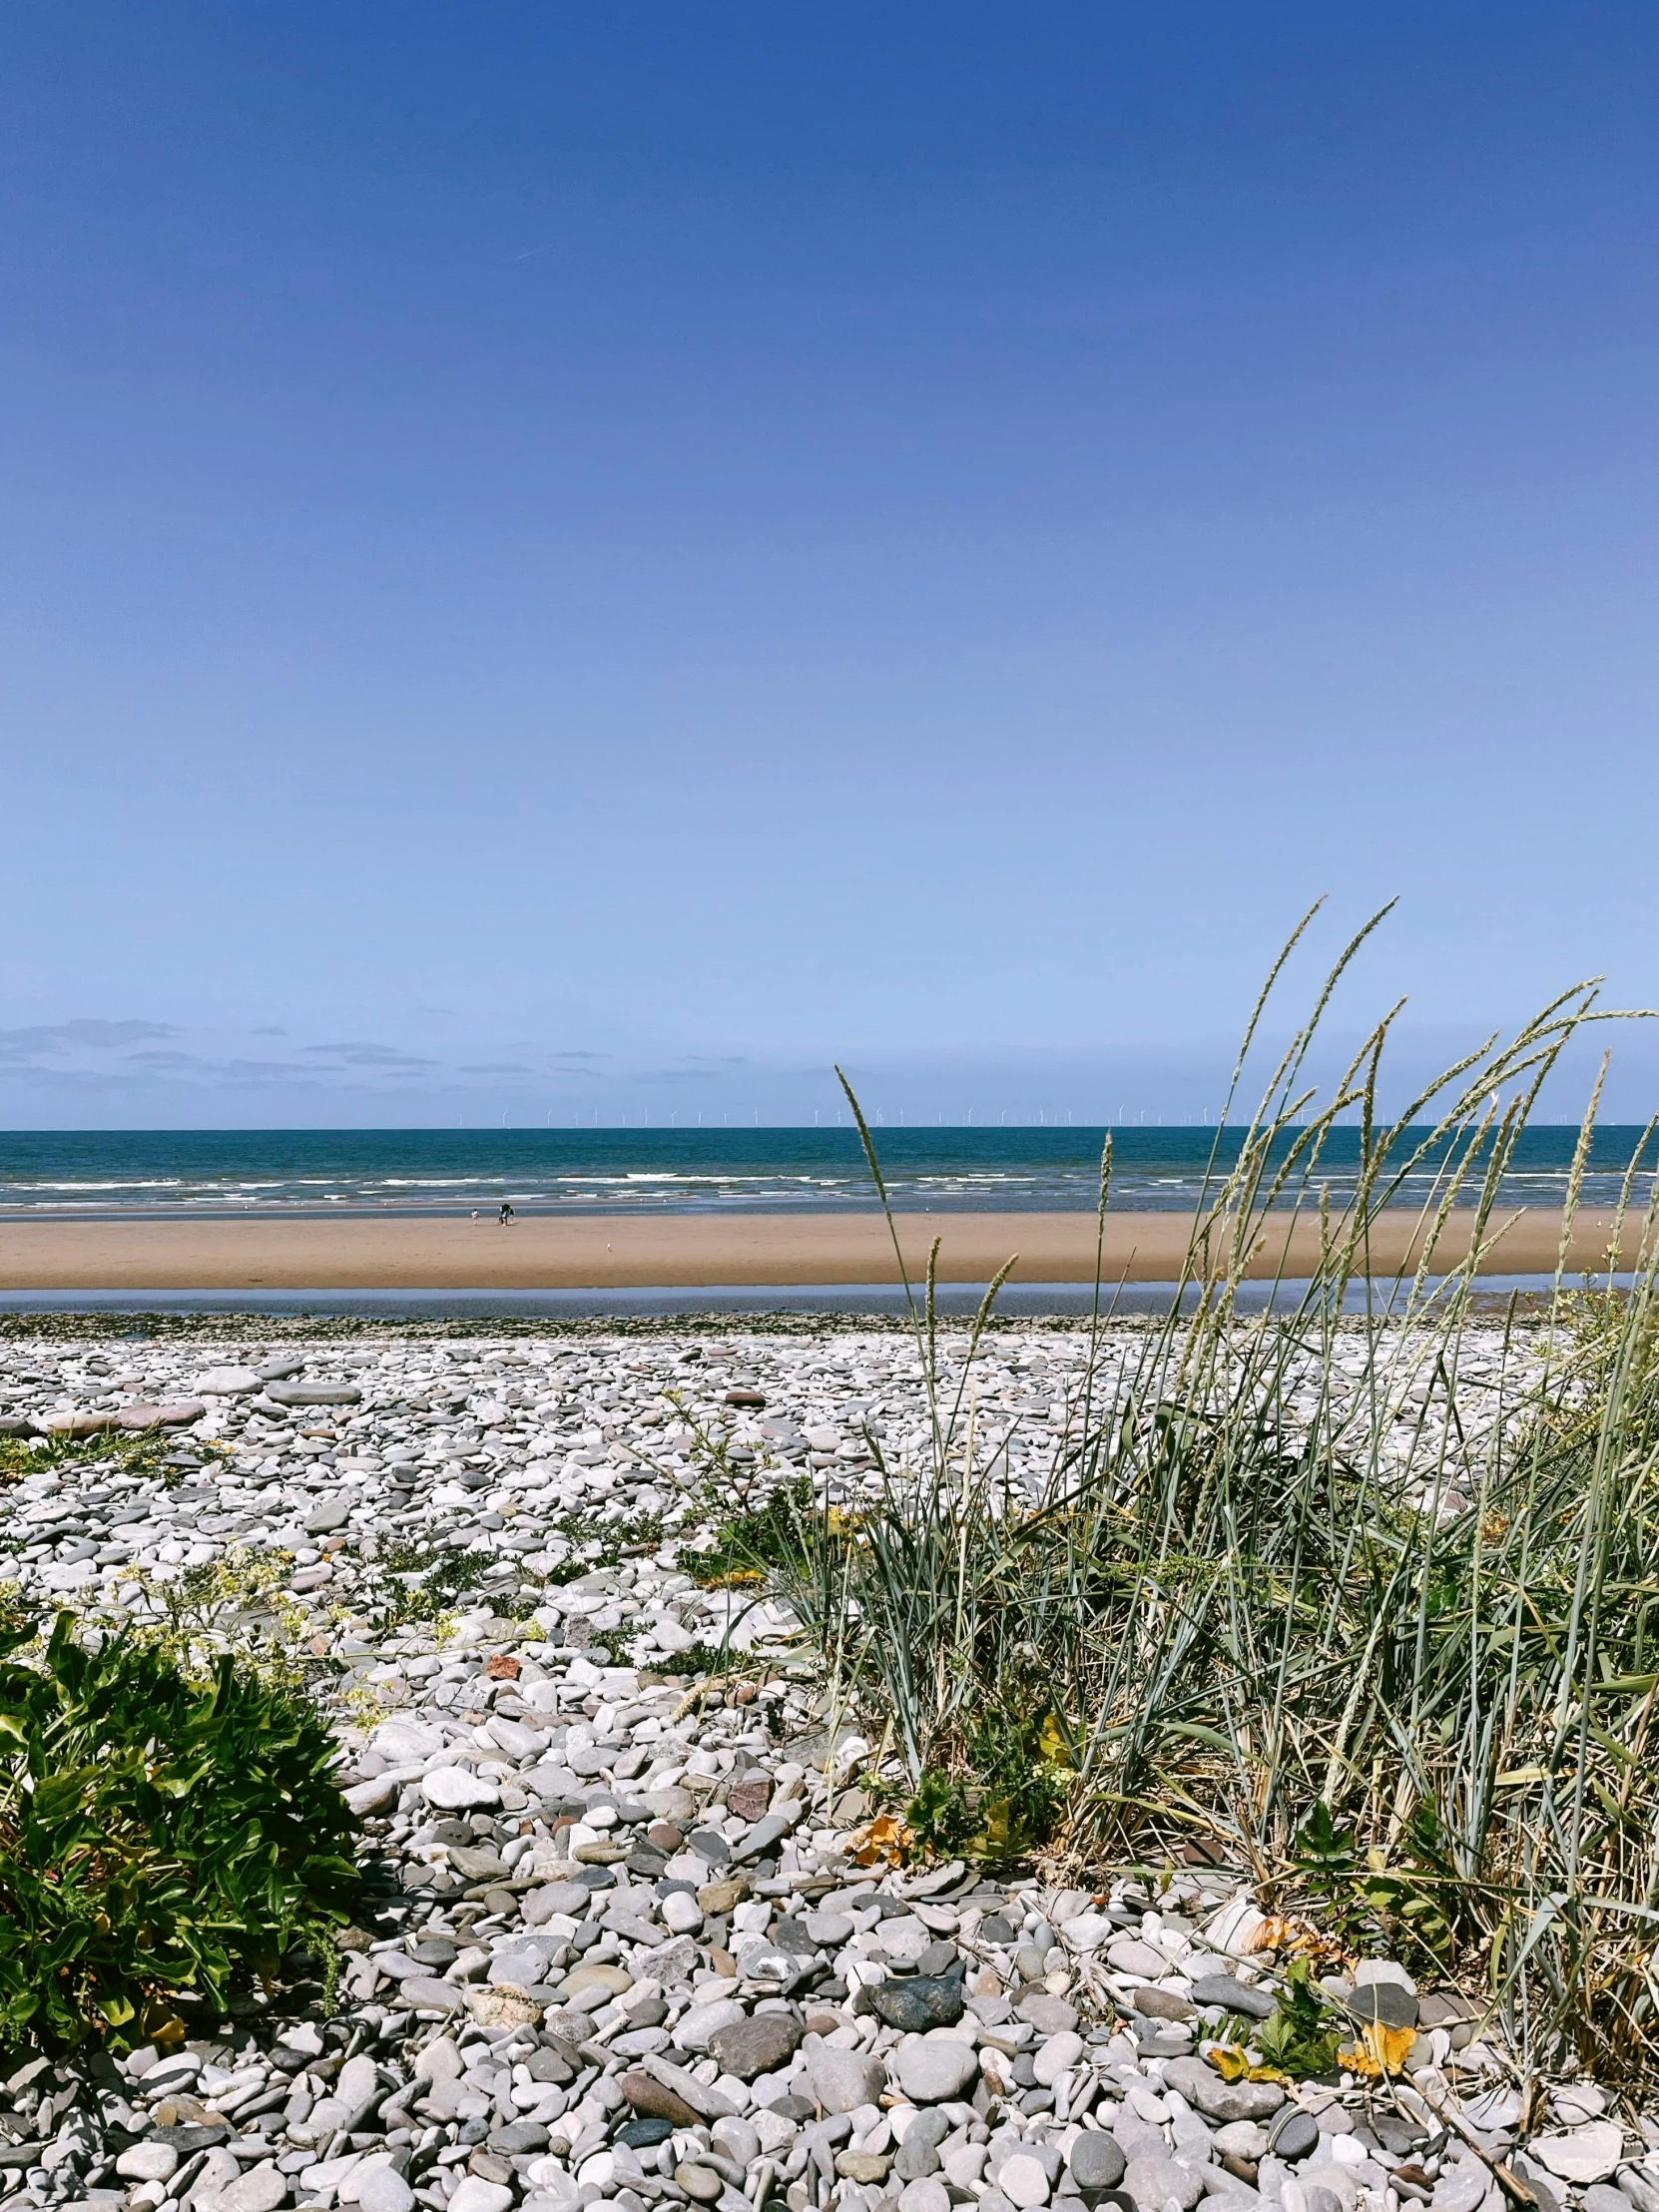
{"x": 628, "y": 1943}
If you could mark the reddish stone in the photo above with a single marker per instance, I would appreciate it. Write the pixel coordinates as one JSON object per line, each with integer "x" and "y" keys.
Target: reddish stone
{"x": 502, "y": 1666}
{"x": 750, "y": 1798}
{"x": 653, "y": 2097}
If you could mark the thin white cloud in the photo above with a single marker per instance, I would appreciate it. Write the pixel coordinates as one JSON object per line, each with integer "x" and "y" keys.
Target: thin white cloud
{"x": 58, "y": 1040}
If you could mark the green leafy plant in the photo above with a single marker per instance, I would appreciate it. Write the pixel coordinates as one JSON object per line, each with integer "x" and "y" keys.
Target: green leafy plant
{"x": 1299, "y": 2038}
{"x": 589, "y": 1550}
{"x": 1326, "y": 1856}
{"x": 943, "y": 1815}
{"x": 755, "y": 1543}
{"x": 1415, "y": 1892}
{"x": 1005, "y": 1799}
{"x": 446, "y": 1574}
{"x": 237, "y": 1603}
{"x": 1398, "y": 1901}
{"x": 695, "y": 1659}
{"x": 163, "y": 1836}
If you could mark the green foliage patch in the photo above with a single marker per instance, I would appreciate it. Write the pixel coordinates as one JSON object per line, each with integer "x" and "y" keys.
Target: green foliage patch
{"x": 754, "y": 1543}
{"x": 163, "y": 1836}
{"x": 1007, "y": 1800}
{"x": 447, "y": 1572}
{"x": 1399, "y": 1902}
{"x": 1299, "y": 2038}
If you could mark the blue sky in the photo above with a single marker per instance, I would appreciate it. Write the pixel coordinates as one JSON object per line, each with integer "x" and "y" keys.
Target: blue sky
{"x": 567, "y": 561}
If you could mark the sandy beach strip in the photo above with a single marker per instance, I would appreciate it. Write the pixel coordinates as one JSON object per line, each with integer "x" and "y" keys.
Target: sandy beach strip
{"x": 612, "y": 1251}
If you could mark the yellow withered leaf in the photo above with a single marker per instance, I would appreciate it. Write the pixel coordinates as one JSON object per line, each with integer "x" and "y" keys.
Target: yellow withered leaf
{"x": 1052, "y": 1743}
{"x": 1232, "y": 2063}
{"x": 1379, "y": 2051}
{"x": 885, "y": 1840}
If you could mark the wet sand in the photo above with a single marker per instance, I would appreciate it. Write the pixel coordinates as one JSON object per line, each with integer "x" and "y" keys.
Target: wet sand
{"x": 635, "y": 1251}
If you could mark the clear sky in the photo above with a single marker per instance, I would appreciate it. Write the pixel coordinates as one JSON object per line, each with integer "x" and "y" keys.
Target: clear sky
{"x": 589, "y": 560}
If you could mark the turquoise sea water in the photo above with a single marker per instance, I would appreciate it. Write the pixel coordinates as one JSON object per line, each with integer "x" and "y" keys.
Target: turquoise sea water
{"x": 91, "y": 1171}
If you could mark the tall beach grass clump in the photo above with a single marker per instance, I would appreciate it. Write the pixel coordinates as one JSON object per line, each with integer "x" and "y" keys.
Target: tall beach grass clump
{"x": 1358, "y": 1593}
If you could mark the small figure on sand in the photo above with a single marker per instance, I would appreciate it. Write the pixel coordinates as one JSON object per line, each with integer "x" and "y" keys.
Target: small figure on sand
{"x": 507, "y": 1213}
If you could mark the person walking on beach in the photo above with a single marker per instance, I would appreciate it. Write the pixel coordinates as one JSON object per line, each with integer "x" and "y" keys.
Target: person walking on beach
{"x": 507, "y": 1213}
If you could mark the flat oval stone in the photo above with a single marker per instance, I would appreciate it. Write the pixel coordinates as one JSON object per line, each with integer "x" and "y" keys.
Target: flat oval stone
{"x": 1096, "y": 2160}
{"x": 939, "y": 1958}
{"x": 1383, "y": 2001}
{"x": 862, "y": 2165}
{"x": 764, "y": 2043}
{"x": 456, "y": 1788}
{"x": 517, "y": 2137}
{"x": 426, "y": 1993}
{"x": 148, "y": 2162}
{"x": 645, "y": 2134}
{"x": 919, "y": 2003}
{"x": 189, "y": 2137}
{"x": 918, "y": 2151}
{"x": 615, "y": 1979}
{"x": 1580, "y": 2153}
{"x": 381, "y": 2189}
{"x": 140, "y": 1415}
{"x": 260, "y": 2191}
{"x": 661, "y": 2106}
{"x": 228, "y": 1382}
{"x": 569, "y": 1898}
{"x": 934, "y": 2073}
{"x": 309, "y": 1393}
{"x": 1058, "y": 2056}
{"x": 827, "y": 1931}
{"x": 699, "y": 2025}
{"x": 1048, "y": 2015}
{"x": 843, "y": 2079}
{"x": 1163, "y": 2004}
{"x": 1202, "y": 2086}
{"x": 1085, "y": 1931}
{"x": 1233, "y": 1997}
{"x": 1024, "y": 2180}
{"x": 1293, "y": 2133}
{"x": 1151, "y": 2183}
{"x": 1129, "y": 1956}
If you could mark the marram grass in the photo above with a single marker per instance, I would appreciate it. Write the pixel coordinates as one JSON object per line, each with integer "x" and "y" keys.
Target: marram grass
{"x": 1363, "y": 1602}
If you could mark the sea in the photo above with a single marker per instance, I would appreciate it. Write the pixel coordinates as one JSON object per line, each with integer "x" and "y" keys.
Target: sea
{"x": 115, "y": 1172}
